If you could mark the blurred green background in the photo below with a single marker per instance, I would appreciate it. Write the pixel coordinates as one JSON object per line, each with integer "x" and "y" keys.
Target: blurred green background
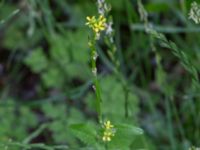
{"x": 46, "y": 81}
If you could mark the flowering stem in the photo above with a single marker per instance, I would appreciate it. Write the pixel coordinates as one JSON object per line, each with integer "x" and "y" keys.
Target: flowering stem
{"x": 95, "y": 79}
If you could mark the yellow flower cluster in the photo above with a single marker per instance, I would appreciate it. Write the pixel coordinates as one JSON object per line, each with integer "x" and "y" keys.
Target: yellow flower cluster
{"x": 97, "y": 24}
{"x": 109, "y": 131}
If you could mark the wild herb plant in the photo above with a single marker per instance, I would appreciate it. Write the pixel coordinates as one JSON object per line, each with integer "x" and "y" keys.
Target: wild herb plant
{"x": 98, "y": 25}
{"x": 64, "y": 87}
{"x": 100, "y": 136}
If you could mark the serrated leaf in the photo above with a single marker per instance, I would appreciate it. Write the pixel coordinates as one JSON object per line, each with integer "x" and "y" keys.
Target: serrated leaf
{"x": 53, "y": 77}
{"x": 37, "y": 60}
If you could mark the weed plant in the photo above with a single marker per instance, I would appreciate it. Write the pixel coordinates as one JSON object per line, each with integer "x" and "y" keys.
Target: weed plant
{"x": 99, "y": 75}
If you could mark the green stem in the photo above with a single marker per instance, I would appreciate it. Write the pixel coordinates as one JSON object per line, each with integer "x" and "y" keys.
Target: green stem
{"x": 169, "y": 121}
{"x": 183, "y": 6}
{"x": 95, "y": 78}
{"x": 106, "y": 146}
{"x": 180, "y": 126}
{"x": 34, "y": 134}
{"x": 40, "y": 146}
{"x": 126, "y": 101}
{"x": 125, "y": 86}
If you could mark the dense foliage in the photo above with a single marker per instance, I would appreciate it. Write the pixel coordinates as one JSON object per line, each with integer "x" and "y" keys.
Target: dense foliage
{"x": 75, "y": 77}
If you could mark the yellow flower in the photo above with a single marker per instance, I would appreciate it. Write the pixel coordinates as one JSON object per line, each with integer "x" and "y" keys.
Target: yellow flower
{"x": 107, "y": 136}
{"x": 97, "y": 24}
{"x": 90, "y": 21}
{"x": 109, "y": 131}
{"x": 108, "y": 125}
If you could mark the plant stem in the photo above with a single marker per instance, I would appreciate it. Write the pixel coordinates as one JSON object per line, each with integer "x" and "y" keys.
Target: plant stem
{"x": 106, "y": 146}
{"x": 95, "y": 78}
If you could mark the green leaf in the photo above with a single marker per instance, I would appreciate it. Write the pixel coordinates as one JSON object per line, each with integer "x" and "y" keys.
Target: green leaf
{"x": 130, "y": 128}
{"x": 84, "y": 132}
{"x": 37, "y": 60}
{"x": 53, "y": 77}
{"x": 125, "y": 135}
{"x": 113, "y": 96}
